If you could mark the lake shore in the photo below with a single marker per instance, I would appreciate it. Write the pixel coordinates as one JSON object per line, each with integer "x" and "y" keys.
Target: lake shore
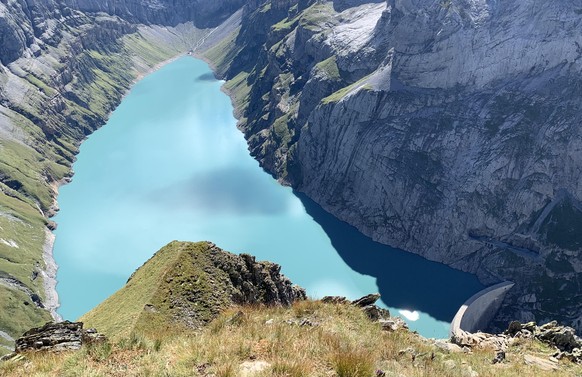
{"x": 49, "y": 273}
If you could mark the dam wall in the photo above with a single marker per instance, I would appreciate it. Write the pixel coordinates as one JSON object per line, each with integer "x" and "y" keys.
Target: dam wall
{"x": 476, "y": 313}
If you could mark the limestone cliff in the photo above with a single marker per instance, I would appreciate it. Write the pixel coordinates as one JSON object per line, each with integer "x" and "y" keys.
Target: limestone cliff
{"x": 446, "y": 128}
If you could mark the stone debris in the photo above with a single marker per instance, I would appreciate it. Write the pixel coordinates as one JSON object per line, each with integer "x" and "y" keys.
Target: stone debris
{"x": 564, "y": 338}
{"x": 308, "y": 322}
{"x": 543, "y": 364}
{"x": 55, "y": 337}
{"x": 335, "y": 300}
{"x": 499, "y": 357}
{"x": 252, "y": 368}
{"x": 448, "y": 346}
{"x": 373, "y": 311}
{"x": 393, "y": 324}
{"x": 376, "y": 313}
{"x": 481, "y": 340}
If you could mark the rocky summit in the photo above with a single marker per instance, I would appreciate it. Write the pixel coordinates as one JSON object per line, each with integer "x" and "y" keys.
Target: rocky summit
{"x": 187, "y": 285}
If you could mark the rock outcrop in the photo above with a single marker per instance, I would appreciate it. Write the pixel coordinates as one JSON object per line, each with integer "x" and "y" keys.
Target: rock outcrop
{"x": 55, "y": 337}
{"x": 255, "y": 282}
{"x": 562, "y": 338}
{"x": 373, "y": 312}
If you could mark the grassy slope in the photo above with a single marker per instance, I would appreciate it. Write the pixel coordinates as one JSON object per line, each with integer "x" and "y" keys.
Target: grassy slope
{"x": 181, "y": 281}
{"x": 152, "y": 285}
{"x": 338, "y": 339}
{"x": 38, "y": 163}
{"x": 119, "y": 314}
{"x": 342, "y": 343}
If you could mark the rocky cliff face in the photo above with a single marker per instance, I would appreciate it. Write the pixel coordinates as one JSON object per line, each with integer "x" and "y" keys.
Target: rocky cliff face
{"x": 163, "y": 12}
{"x": 449, "y": 129}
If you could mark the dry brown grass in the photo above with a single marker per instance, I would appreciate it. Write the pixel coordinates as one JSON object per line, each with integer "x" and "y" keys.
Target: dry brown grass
{"x": 342, "y": 343}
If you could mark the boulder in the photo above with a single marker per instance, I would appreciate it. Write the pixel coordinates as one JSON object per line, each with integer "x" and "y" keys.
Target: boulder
{"x": 499, "y": 357}
{"x": 543, "y": 364}
{"x": 55, "y": 337}
{"x": 376, "y": 313}
{"x": 393, "y": 324}
{"x": 335, "y": 300}
{"x": 366, "y": 300}
{"x": 564, "y": 338}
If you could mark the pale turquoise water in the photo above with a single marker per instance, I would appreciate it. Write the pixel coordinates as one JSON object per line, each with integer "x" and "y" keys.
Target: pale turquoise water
{"x": 171, "y": 165}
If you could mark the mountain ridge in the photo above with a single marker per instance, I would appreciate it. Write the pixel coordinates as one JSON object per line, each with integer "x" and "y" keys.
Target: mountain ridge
{"x": 256, "y": 323}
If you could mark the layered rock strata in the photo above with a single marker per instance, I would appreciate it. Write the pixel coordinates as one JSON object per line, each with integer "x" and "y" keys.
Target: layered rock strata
{"x": 448, "y": 129}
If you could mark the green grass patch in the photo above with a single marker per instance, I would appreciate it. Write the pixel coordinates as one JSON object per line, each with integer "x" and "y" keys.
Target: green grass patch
{"x": 311, "y": 18}
{"x": 281, "y": 129}
{"x": 179, "y": 278}
{"x": 41, "y": 85}
{"x": 239, "y": 89}
{"x": 22, "y": 236}
{"x": 26, "y": 170}
{"x": 152, "y": 53}
{"x": 316, "y": 15}
{"x": 338, "y": 95}
{"x": 16, "y": 316}
{"x": 329, "y": 68}
{"x": 222, "y": 55}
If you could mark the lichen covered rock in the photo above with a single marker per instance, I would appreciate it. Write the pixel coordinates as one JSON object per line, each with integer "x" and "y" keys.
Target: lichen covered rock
{"x": 55, "y": 337}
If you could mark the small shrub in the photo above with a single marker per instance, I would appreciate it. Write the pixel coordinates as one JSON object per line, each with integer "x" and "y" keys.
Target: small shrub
{"x": 289, "y": 368}
{"x": 227, "y": 370}
{"x": 157, "y": 344}
{"x": 99, "y": 351}
{"x": 134, "y": 342}
{"x": 353, "y": 363}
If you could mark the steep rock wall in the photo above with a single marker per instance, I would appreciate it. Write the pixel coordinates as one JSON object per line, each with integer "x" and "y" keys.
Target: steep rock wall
{"x": 449, "y": 129}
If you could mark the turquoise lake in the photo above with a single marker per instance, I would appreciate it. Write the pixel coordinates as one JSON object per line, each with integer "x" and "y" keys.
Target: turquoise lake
{"x": 170, "y": 164}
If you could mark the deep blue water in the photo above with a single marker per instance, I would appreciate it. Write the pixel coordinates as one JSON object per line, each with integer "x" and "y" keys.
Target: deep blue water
{"x": 171, "y": 165}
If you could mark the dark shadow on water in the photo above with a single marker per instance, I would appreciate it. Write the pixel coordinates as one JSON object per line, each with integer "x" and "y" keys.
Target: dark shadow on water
{"x": 405, "y": 280}
{"x": 232, "y": 191}
{"x": 206, "y": 77}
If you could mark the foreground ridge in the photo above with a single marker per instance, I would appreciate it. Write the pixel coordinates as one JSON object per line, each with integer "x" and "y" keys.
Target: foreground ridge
{"x": 194, "y": 309}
